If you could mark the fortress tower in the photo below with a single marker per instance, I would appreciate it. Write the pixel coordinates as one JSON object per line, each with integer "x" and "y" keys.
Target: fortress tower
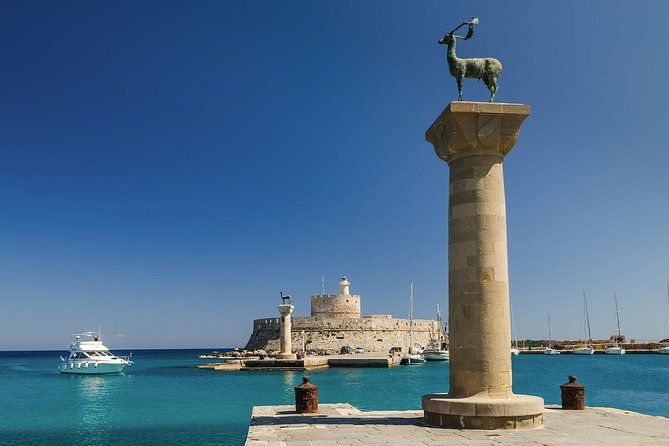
{"x": 336, "y": 306}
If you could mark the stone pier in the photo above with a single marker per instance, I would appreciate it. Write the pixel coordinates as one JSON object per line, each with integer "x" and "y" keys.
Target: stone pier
{"x": 473, "y": 138}
{"x": 285, "y": 341}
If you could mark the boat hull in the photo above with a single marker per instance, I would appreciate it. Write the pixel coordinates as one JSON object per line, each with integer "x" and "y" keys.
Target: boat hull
{"x": 80, "y": 368}
{"x": 615, "y": 351}
{"x": 435, "y": 355}
{"x": 584, "y": 351}
{"x": 412, "y": 360}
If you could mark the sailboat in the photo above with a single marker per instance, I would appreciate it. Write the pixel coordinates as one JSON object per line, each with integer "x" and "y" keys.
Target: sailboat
{"x": 588, "y": 349}
{"x": 550, "y": 350}
{"x": 438, "y": 348}
{"x": 616, "y": 349}
{"x": 411, "y": 357}
{"x": 665, "y": 350}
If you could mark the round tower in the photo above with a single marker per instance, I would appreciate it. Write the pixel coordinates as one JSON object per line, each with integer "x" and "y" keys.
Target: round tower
{"x": 336, "y": 306}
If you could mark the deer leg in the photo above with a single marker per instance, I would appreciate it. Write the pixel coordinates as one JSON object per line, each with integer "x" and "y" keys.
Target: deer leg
{"x": 493, "y": 88}
{"x": 460, "y": 80}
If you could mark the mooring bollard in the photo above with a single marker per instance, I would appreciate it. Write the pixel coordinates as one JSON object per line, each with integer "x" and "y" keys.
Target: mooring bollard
{"x": 573, "y": 395}
{"x": 306, "y": 397}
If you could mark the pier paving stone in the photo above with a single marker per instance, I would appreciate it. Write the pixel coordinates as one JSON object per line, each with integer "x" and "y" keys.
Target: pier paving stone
{"x": 344, "y": 425}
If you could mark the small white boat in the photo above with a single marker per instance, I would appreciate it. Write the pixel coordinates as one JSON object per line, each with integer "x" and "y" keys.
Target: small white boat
{"x": 89, "y": 356}
{"x": 410, "y": 359}
{"x": 584, "y": 351}
{"x": 435, "y": 354}
{"x": 587, "y": 350}
{"x": 515, "y": 351}
{"x": 616, "y": 349}
{"x": 550, "y": 350}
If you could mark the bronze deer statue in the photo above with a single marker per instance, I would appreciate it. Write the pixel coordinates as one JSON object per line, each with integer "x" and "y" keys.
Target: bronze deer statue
{"x": 487, "y": 69}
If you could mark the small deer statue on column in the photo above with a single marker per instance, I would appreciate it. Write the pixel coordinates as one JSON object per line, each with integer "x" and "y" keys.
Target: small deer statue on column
{"x": 487, "y": 69}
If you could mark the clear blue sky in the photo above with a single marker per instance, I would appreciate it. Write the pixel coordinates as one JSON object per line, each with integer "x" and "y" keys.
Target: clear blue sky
{"x": 168, "y": 167}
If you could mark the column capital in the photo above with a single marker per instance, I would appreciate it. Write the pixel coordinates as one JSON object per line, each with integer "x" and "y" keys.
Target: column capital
{"x": 285, "y": 309}
{"x": 476, "y": 128}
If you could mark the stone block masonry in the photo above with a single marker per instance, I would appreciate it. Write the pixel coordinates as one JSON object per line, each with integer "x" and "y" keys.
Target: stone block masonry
{"x": 374, "y": 334}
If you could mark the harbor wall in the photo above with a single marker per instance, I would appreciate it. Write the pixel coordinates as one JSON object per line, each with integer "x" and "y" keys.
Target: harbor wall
{"x": 376, "y": 333}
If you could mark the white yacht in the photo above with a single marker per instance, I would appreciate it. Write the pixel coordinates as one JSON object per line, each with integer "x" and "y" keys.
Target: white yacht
{"x": 88, "y": 356}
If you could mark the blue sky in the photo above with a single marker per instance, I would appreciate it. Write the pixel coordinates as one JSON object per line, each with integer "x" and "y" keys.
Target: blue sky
{"x": 168, "y": 167}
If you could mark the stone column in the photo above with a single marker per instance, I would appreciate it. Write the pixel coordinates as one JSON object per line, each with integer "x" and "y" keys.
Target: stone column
{"x": 473, "y": 138}
{"x": 285, "y": 339}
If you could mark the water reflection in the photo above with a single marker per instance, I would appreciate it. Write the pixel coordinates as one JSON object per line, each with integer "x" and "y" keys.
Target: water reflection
{"x": 96, "y": 402}
{"x": 289, "y": 379}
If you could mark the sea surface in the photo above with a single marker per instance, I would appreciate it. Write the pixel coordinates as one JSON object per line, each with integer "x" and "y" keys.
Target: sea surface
{"x": 162, "y": 399}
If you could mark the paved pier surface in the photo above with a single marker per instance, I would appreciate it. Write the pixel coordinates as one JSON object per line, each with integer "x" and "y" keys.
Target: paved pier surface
{"x": 343, "y": 424}
{"x": 373, "y": 359}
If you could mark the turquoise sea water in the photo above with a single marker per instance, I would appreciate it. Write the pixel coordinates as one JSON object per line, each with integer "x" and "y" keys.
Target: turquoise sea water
{"x": 163, "y": 399}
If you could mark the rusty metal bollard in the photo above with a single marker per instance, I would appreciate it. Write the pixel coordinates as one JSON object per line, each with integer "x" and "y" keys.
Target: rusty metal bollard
{"x": 573, "y": 395}
{"x": 306, "y": 397}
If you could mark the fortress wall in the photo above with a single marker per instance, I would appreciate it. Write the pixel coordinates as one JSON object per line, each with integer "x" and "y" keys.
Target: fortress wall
{"x": 376, "y": 334}
{"x": 336, "y": 306}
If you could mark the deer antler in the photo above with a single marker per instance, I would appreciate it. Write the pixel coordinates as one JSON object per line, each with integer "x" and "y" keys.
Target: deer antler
{"x": 471, "y": 22}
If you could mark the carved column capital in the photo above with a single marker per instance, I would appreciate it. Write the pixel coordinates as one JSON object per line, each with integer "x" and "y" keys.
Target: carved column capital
{"x": 476, "y": 128}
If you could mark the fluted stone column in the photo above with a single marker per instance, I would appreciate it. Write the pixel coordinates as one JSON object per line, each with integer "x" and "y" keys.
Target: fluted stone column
{"x": 285, "y": 340}
{"x": 473, "y": 138}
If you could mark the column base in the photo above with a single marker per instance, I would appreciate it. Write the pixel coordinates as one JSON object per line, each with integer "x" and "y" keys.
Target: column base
{"x": 483, "y": 412}
{"x": 286, "y": 356}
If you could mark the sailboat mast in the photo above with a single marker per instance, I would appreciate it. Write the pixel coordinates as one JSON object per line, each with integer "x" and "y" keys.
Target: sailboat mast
{"x": 439, "y": 335}
{"x": 549, "y": 330}
{"x": 587, "y": 318}
{"x": 665, "y": 311}
{"x": 410, "y": 316}
{"x": 615, "y": 298}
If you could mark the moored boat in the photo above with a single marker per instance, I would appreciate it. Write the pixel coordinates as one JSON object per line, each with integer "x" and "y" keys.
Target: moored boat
{"x": 88, "y": 356}
{"x": 437, "y": 350}
{"x": 550, "y": 350}
{"x": 412, "y": 357}
{"x": 616, "y": 349}
{"x": 587, "y": 350}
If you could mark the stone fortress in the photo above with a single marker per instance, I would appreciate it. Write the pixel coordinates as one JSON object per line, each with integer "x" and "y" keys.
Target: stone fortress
{"x": 336, "y": 322}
